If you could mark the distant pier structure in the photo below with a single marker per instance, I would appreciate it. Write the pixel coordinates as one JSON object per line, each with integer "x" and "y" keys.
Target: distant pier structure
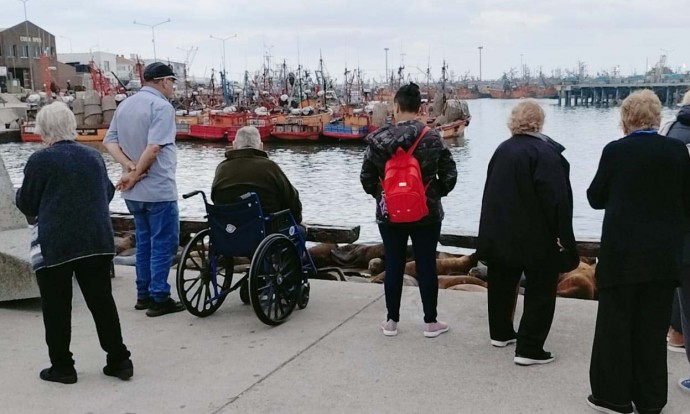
{"x": 598, "y": 94}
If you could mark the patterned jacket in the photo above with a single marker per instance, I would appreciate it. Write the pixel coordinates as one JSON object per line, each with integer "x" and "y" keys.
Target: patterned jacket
{"x": 432, "y": 153}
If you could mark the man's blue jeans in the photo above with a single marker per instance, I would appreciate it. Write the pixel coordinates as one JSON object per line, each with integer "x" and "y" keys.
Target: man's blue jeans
{"x": 157, "y": 232}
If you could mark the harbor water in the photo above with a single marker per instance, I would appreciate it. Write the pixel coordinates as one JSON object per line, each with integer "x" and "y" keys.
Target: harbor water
{"x": 327, "y": 174}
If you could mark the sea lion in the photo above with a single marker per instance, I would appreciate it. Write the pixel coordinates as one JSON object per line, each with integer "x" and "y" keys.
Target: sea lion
{"x": 321, "y": 254}
{"x": 456, "y": 266}
{"x": 579, "y": 283}
{"x": 359, "y": 255}
{"x": 469, "y": 288}
{"x": 376, "y": 266}
{"x": 445, "y": 282}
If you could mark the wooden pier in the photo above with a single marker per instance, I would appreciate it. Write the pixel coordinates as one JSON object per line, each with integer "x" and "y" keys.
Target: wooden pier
{"x": 611, "y": 94}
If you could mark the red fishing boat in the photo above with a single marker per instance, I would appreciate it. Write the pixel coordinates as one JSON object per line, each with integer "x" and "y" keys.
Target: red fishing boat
{"x": 300, "y": 127}
{"x": 220, "y": 126}
{"x": 28, "y": 134}
{"x": 351, "y": 127}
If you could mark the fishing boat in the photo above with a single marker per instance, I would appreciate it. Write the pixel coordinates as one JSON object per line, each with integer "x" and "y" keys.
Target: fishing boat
{"x": 264, "y": 123}
{"x": 449, "y": 116}
{"x": 219, "y": 126}
{"x": 91, "y": 134}
{"x": 353, "y": 126}
{"x": 27, "y": 131}
{"x": 300, "y": 127}
{"x": 183, "y": 121}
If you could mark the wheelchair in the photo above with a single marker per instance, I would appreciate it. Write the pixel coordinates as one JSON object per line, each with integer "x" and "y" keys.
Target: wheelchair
{"x": 275, "y": 282}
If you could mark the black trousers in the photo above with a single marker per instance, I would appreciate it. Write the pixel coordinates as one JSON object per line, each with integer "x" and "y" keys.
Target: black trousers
{"x": 676, "y": 322}
{"x": 629, "y": 352}
{"x": 55, "y": 285}
{"x": 424, "y": 241}
{"x": 539, "y": 301}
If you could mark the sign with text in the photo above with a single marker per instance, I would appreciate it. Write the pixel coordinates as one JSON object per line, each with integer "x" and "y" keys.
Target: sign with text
{"x": 3, "y": 71}
{"x": 30, "y": 39}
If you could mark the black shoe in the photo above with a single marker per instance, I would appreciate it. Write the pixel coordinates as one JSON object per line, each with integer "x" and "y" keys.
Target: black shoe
{"x": 143, "y": 304}
{"x": 604, "y": 407}
{"x": 163, "y": 308}
{"x": 122, "y": 369}
{"x": 542, "y": 358}
{"x": 53, "y": 375}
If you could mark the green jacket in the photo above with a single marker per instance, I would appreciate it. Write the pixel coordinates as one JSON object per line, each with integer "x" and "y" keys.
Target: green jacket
{"x": 249, "y": 170}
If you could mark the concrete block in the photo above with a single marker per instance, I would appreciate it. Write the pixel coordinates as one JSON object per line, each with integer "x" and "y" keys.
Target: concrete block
{"x": 10, "y": 216}
{"x": 17, "y": 279}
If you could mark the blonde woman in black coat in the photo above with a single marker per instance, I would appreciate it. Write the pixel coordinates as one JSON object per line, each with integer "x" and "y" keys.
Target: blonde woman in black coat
{"x": 643, "y": 184}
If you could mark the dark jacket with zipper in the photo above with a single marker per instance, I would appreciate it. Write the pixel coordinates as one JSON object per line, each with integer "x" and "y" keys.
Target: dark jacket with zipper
{"x": 527, "y": 204}
{"x": 250, "y": 170}
{"x": 643, "y": 183}
{"x": 435, "y": 162}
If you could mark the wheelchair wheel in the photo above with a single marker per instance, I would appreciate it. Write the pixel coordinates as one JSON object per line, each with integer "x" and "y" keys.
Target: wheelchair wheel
{"x": 275, "y": 279}
{"x": 304, "y": 296}
{"x": 244, "y": 292}
{"x": 202, "y": 290}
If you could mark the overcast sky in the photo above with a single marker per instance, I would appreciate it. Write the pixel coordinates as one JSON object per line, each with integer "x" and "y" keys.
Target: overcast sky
{"x": 542, "y": 33}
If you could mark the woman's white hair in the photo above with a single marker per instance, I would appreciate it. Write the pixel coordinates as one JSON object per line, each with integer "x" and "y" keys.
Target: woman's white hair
{"x": 247, "y": 137}
{"x": 56, "y": 122}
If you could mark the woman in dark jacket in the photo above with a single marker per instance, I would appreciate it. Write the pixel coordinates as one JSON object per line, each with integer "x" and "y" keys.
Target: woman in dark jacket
{"x": 439, "y": 173}
{"x": 679, "y": 129}
{"x": 525, "y": 227}
{"x": 643, "y": 183}
{"x": 66, "y": 187}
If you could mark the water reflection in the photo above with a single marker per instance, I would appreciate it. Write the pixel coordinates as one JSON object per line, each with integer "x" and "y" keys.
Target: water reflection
{"x": 327, "y": 174}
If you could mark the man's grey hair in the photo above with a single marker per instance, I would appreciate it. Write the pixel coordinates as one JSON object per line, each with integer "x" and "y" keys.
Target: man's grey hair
{"x": 686, "y": 98}
{"x": 247, "y": 137}
{"x": 56, "y": 122}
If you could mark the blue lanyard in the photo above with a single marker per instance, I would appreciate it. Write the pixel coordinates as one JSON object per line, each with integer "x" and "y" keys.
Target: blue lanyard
{"x": 644, "y": 131}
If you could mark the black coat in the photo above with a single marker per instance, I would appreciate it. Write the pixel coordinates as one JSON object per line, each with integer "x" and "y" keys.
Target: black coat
{"x": 527, "y": 204}
{"x": 643, "y": 183}
{"x": 435, "y": 162}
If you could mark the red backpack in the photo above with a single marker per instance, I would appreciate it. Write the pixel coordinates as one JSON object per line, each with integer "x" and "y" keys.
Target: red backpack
{"x": 404, "y": 192}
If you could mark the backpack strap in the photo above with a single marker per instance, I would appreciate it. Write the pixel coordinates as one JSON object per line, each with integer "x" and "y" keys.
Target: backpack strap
{"x": 419, "y": 138}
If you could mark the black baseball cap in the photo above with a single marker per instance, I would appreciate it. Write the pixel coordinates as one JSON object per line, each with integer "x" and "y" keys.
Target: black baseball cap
{"x": 158, "y": 70}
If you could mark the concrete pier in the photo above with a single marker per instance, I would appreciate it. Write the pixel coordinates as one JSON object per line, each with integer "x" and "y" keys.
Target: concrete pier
{"x": 328, "y": 358}
{"x": 603, "y": 94}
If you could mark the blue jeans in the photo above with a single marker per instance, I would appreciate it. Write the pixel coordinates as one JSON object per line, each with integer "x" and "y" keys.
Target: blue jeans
{"x": 424, "y": 240}
{"x": 157, "y": 232}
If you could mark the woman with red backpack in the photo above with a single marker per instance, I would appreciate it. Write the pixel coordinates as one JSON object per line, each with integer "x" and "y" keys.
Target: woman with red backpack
{"x": 407, "y": 168}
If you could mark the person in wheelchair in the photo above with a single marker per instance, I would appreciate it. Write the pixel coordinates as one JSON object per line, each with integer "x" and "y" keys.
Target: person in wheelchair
{"x": 247, "y": 168}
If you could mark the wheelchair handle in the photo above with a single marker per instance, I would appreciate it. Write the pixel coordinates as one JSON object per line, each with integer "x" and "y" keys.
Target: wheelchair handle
{"x": 193, "y": 193}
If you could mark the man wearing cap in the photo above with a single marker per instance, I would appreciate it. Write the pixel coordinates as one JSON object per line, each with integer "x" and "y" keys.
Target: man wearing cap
{"x": 141, "y": 137}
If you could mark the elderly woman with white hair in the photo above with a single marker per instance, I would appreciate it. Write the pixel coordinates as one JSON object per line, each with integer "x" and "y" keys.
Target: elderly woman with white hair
{"x": 526, "y": 228}
{"x": 643, "y": 184}
{"x": 67, "y": 189}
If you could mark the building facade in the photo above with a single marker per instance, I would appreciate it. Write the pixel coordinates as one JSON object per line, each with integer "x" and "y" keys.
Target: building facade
{"x": 27, "y": 56}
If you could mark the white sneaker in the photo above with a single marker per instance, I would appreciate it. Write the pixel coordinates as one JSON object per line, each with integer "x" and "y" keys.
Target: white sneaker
{"x": 389, "y": 327}
{"x": 434, "y": 329}
{"x": 503, "y": 344}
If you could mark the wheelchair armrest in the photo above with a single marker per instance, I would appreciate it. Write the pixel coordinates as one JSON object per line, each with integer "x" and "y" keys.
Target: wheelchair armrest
{"x": 279, "y": 214}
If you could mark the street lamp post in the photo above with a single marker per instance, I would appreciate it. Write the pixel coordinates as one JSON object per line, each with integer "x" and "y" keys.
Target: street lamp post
{"x": 70, "y": 42}
{"x": 386, "y": 49}
{"x": 223, "y": 39}
{"x": 28, "y": 45}
{"x": 153, "y": 33}
{"x": 480, "y": 62}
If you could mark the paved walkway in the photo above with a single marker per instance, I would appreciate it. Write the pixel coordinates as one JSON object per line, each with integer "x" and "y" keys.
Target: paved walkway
{"x": 328, "y": 358}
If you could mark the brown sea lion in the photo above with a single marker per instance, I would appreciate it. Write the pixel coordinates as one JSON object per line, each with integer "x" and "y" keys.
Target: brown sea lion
{"x": 359, "y": 255}
{"x": 321, "y": 254}
{"x": 456, "y": 266}
{"x": 468, "y": 288}
{"x": 445, "y": 282}
{"x": 376, "y": 266}
{"x": 579, "y": 283}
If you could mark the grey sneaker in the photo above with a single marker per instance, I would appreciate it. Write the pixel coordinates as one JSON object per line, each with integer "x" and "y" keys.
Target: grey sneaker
{"x": 389, "y": 327}
{"x": 434, "y": 329}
